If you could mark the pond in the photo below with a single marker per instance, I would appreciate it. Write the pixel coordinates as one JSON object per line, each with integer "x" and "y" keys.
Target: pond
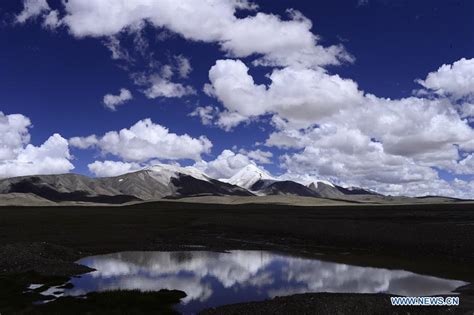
{"x": 212, "y": 278}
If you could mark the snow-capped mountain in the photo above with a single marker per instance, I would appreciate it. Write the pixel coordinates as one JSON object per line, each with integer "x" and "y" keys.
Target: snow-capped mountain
{"x": 164, "y": 180}
{"x": 248, "y": 176}
{"x": 158, "y": 181}
{"x": 260, "y": 182}
{"x": 168, "y": 181}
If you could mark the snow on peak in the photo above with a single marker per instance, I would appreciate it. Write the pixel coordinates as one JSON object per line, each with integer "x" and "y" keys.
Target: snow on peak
{"x": 248, "y": 176}
{"x": 164, "y": 172}
{"x": 325, "y": 182}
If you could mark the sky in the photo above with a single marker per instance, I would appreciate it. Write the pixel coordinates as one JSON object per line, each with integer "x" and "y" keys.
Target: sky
{"x": 371, "y": 93}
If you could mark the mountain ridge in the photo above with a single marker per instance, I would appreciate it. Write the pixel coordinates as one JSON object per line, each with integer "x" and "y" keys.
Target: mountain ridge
{"x": 167, "y": 181}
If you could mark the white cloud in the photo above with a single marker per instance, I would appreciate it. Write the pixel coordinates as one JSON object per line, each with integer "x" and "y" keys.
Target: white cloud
{"x": 52, "y": 157}
{"x": 146, "y": 140}
{"x": 281, "y": 42}
{"x": 263, "y": 157}
{"x": 352, "y": 157}
{"x": 236, "y": 89}
{"x": 302, "y": 96}
{"x": 112, "y": 168}
{"x": 228, "y": 163}
{"x": 112, "y": 101}
{"x": 206, "y": 114}
{"x": 51, "y": 20}
{"x": 456, "y": 80}
{"x": 32, "y": 9}
{"x": 18, "y": 157}
{"x": 225, "y": 165}
{"x": 467, "y": 110}
{"x": 160, "y": 83}
{"x": 456, "y": 188}
{"x": 277, "y": 41}
{"x": 118, "y": 52}
{"x": 157, "y": 78}
{"x": 410, "y": 126}
{"x": 183, "y": 65}
{"x": 14, "y": 135}
{"x": 167, "y": 72}
{"x": 162, "y": 87}
{"x": 83, "y": 142}
{"x": 228, "y": 120}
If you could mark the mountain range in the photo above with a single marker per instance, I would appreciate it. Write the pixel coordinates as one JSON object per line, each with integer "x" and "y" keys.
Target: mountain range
{"x": 163, "y": 181}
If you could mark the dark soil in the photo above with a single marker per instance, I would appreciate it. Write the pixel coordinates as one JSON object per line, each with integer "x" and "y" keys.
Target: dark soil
{"x": 330, "y": 304}
{"x": 428, "y": 239}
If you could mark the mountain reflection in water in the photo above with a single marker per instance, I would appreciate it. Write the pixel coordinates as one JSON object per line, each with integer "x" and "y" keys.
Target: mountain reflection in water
{"x": 211, "y": 279}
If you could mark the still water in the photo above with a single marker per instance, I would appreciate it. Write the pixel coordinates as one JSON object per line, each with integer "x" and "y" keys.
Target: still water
{"x": 211, "y": 279}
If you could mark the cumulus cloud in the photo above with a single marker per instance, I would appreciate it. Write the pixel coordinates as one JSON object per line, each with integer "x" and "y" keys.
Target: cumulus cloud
{"x": 456, "y": 80}
{"x": 83, "y": 142}
{"x": 112, "y": 101}
{"x": 146, "y": 140}
{"x": 349, "y": 155}
{"x": 303, "y": 96}
{"x": 410, "y": 126}
{"x": 13, "y": 134}
{"x": 112, "y": 168}
{"x": 18, "y": 157}
{"x": 276, "y": 41}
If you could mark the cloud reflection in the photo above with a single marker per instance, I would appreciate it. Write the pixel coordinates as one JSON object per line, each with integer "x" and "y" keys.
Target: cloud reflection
{"x": 208, "y": 277}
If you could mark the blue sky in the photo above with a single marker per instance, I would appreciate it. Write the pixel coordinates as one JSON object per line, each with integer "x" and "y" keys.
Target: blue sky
{"x": 56, "y": 74}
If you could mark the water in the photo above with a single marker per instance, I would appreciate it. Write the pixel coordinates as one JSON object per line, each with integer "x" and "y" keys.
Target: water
{"x": 212, "y": 279}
